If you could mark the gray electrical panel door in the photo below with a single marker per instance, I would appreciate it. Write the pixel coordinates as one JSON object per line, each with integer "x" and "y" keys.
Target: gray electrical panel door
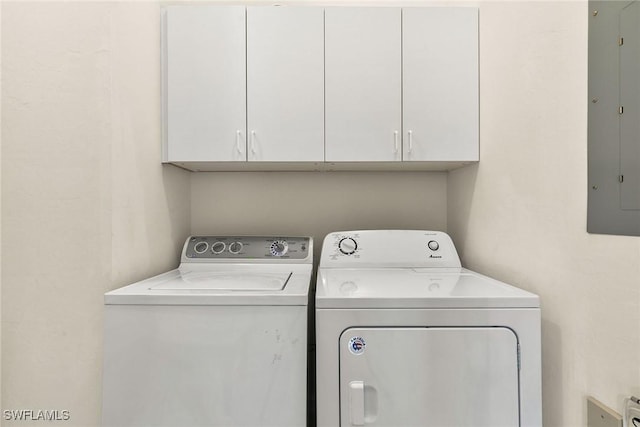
{"x": 630, "y": 104}
{"x": 614, "y": 118}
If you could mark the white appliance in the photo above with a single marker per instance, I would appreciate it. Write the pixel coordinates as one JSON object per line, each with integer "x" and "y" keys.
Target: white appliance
{"x": 219, "y": 341}
{"x": 406, "y": 337}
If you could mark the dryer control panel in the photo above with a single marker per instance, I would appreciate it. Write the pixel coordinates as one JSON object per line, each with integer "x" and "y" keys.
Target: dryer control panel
{"x": 389, "y": 248}
{"x": 247, "y": 248}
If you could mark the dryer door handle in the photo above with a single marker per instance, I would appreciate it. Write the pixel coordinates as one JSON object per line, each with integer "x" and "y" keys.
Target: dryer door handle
{"x": 356, "y": 402}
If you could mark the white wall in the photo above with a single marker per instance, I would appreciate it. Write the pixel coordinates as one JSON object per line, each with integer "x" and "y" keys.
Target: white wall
{"x": 520, "y": 215}
{"x": 86, "y": 204}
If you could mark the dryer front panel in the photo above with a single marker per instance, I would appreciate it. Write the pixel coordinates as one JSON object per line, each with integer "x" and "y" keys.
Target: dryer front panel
{"x": 428, "y": 377}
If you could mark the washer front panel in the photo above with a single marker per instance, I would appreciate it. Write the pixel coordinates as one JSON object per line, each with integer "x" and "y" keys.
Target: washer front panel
{"x": 188, "y": 366}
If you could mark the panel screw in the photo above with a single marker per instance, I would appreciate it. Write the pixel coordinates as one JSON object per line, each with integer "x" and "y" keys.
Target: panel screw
{"x": 595, "y": 13}
{"x": 595, "y": 100}
{"x": 595, "y": 187}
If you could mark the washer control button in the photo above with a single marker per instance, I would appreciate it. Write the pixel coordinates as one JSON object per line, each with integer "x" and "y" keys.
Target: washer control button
{"x": 347, "y": 246}
{"x": 279, "y": 248}
{"x": 201, "y": 247}
{"x": 433, "y": 245}
{"x": 218, "y": 247}
{"x": 235, "y": 247}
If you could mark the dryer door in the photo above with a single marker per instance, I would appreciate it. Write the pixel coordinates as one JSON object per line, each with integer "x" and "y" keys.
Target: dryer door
{"x": 429, "y": 377}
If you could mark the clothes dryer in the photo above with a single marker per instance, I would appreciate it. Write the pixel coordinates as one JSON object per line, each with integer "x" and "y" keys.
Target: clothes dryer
{"x": 407, "y": 337}
{"x": 219, "y": 341}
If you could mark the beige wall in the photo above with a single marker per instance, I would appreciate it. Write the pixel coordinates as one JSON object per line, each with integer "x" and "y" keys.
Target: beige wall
{"x": 520, "y": 215}
{"x": 0, "y": 220}
{"x": 316, "y": 203}
{"x": 87, "y": 206}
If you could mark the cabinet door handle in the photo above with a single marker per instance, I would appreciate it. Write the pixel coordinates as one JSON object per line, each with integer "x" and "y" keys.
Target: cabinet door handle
{"x": 253, "y": 142}
{"x": 395, "y": 142}
{"x": 410, "y": 137}
{"x": 238, "y": 138}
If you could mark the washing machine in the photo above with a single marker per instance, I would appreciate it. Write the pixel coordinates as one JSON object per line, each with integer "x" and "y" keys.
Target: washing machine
{"x": 219, "y": 341}
{"x": 407, "y": 337}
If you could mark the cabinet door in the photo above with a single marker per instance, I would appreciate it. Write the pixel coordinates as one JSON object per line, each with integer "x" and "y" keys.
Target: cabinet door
{"x": 363, "y": 83}
{"x": 440, "y": 84}
{"x": 205, "y": 78}
{"x": 285, "y": 83}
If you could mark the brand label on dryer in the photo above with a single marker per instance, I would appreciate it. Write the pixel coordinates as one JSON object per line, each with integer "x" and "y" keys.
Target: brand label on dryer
{"x": 357, "y": 345}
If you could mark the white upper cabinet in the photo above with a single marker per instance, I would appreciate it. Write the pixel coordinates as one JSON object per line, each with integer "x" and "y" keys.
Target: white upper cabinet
{"x": 440, "y": 84}
{"x": 205, "y": 83}
{"x": 285, "y": 84}
{"x": 363, "y": 84}
{"x": 401, "y": 84}
{"x": 299, "y": 87}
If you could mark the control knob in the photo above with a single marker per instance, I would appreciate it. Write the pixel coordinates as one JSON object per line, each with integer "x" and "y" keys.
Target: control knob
{"x": 201, "y": 247}
{"x": 218, "y": 247}
{"x": 347, "y": 246}
{"x": 279, "y": 248}
{"x": 235, "y": 247}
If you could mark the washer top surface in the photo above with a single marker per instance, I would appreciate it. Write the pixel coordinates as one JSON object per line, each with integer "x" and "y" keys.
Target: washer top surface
{"x": 405, "y": 269}
{"x": 229, "y": 271}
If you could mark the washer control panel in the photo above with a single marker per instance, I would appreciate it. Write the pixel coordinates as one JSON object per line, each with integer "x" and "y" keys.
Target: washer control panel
{"x": 247, "y": 247}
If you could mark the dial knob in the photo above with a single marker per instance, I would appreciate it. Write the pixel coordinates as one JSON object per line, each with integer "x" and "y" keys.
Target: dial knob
{"x": 433, "y": 245}
{"x": 347, "y": 246}
{"x": 235, "y": 247}
{"x": 279, "y": 248}
{"x": 201, "y": 247}
{"x": 218, "y": 247}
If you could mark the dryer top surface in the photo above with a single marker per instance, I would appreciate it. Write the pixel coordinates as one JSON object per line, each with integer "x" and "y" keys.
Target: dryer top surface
{"x": 353, "y": 288}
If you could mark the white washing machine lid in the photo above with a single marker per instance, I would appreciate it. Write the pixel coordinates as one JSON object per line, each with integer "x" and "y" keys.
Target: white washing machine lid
{"x": 233, "y": 284}
{"x": 416, "y": 288}
{"x": 224, "y": 281}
